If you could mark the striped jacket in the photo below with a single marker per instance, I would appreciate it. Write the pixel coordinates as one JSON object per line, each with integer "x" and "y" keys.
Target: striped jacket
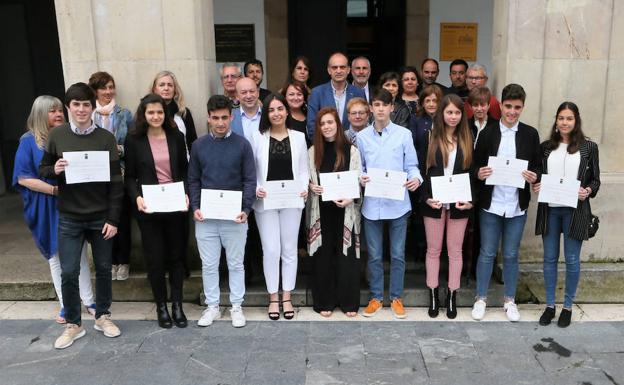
{"x": 589, "y": 175}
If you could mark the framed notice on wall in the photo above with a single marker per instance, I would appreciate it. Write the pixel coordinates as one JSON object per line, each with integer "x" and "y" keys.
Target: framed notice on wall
{"x": 234, "y": 42}
{"x": 458, "y": 41}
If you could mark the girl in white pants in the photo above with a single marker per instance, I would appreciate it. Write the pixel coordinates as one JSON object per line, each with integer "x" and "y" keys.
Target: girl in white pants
{"x": 280, "y": 154}
{"x": 84, "y": 280}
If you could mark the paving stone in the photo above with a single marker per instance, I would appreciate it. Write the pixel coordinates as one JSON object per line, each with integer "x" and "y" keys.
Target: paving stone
{"x": 582, "y": 337}
{"x": 389, "y": 337}
{"x": 611, "y": 365}
{"x": 199, "y": 373}
{"x": 319, "y": 377}
{"x": 350, "y": 358}
{"x": 405, "y": 376}
{"x": 155, "y": 368}
{"x": 389, "y": 362}
{"x": 218, "y": 361}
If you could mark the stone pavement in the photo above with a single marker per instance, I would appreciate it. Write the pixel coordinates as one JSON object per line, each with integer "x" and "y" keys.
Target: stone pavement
{"x": 313, "y": 350}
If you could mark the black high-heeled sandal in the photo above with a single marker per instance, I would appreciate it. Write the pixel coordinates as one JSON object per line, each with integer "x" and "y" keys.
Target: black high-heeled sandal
{"x": 274, "y": 315}
{"x": 288, "y": 314}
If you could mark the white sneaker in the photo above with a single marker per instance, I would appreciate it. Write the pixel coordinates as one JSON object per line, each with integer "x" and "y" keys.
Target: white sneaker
{"x": 210, "y": 314}
{"x": 478, "y": 310}
{"x": 511, "y": 309}
{"x": 123, "y": 272}
{"x": 114, "y": 269}
{"x": 238, "y": 318}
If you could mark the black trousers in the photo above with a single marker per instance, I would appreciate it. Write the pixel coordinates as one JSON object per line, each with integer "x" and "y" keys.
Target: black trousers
{"x": 164, "y": 251}
{"x": 336, "y": 278}
{"x": 122, "y": 242}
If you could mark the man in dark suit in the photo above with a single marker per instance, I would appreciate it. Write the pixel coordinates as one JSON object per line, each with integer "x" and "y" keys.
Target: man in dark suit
{"x": 335, "y": 93}
{"x": 254, "y": 69}
{"x": 360, "y": 71}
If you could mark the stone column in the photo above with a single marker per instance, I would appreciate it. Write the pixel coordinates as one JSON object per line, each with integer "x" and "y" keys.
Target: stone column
{"x": 416, "y": 32}
{"x": 276, "y": 36}
{"x": 133, "y": 40}
{"x": 562, "y": 50}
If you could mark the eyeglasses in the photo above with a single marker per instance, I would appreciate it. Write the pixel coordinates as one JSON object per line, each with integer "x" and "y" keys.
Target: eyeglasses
{"x": 230, "y": 76}
{"x": 475, "y": 77}
{"x": 358, "y": 113}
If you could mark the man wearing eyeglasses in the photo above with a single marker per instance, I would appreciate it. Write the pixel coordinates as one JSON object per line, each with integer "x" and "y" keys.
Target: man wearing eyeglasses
{"x": 476, "y": 76}
{"x": 230, "y": 73}
{"x": 335, "y": 93}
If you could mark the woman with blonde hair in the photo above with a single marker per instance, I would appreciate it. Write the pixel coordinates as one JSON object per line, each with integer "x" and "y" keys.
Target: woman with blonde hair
{"x": 39, "y": 196}
{"x": 165, "y": 84}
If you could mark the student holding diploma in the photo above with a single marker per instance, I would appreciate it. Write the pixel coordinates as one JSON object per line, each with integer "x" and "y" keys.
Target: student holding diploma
{"x": 447, "y": 152}
{"x": 503, "y": 208}
{"x": 156, "y": 155}
{"x": 386, "y": 147}
{"x": 567, "y": 154}
{"x": 222, "y": 162}
{"x": 333, "y": 226}
{"x": 87, "y": 210}
{"x": 281, "y": 154}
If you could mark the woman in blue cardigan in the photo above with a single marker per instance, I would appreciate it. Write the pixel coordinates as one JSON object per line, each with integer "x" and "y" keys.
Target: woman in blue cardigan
{"x": 39, "y": 196}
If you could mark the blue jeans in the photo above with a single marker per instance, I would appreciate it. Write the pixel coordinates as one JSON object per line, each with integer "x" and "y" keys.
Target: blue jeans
{"x": 493, "y": 227}
{"x": 374, "y": 242}
{"x": 210, "y": 235}
{"x": 71, "y": 236}
{"x": 558, "y": 221}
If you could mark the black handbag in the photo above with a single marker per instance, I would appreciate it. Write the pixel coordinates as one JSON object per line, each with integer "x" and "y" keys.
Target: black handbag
{"x": 594, "y": 223}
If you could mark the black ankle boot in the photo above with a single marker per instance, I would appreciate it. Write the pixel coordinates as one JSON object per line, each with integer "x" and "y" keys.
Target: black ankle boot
{"x": 451, "y": 306}
{"x": 178, "y": 315}
{"x": 164, "y": 319}
{"x": 564, "y": 318}
{"x": 434, "y": 303}
{"x": 547, "y": 316}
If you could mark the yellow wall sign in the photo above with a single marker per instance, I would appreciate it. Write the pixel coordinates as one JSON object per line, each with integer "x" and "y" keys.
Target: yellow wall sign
{"x": 458, "y": 41}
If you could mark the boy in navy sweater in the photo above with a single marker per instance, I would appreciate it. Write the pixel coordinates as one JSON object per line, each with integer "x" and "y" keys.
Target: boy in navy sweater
{"x": 222, "y": 160}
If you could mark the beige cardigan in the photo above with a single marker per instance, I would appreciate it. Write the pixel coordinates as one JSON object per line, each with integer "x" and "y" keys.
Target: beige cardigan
{"x": 352, "y": 211}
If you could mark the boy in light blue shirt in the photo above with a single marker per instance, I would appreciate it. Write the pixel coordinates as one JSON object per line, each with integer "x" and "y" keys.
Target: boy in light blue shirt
{"x": 385, "y": 145}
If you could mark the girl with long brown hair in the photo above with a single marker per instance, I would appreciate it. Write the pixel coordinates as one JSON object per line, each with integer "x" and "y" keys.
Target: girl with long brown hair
{"x": 448, "y": 152}
{"x": 333, "y": 226}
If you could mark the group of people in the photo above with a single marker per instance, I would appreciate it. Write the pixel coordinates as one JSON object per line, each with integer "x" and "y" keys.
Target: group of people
{"x": 408, "y": 123}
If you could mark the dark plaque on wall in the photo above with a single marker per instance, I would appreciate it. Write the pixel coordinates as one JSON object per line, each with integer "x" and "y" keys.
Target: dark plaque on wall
{"x": 235, "y": 42}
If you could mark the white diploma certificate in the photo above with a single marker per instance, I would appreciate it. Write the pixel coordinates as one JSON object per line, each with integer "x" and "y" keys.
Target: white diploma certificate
{"x": 164, "y": 198}
{"x": 452, "y": 188}
{"x": 558, "y": 190}
{"x": 221, "y": 204}
{"x": 283, "y": 194}
{"x": 506, "y": 171}
{"x": 340, "y": 185}
{"x": 386, "y": 184}
{"x": 87, "y": 166}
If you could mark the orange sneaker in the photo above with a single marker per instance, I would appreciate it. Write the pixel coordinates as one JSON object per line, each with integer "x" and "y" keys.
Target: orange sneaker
{"x": 397, "y": 308}
{"x": 374, "y": 305}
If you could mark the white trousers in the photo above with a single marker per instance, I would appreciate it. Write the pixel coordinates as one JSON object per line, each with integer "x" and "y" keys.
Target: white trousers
{"x": 279, "y": 231}
{"x": 84, "y": 280}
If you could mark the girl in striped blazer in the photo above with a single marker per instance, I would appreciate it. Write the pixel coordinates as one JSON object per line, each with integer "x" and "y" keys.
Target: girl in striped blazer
{"x": 567, "y": 153}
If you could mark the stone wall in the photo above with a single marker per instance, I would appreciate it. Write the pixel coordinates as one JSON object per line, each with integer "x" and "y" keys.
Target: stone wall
{"x": 569, "y": 50}
{"x": 133, "y": 40}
